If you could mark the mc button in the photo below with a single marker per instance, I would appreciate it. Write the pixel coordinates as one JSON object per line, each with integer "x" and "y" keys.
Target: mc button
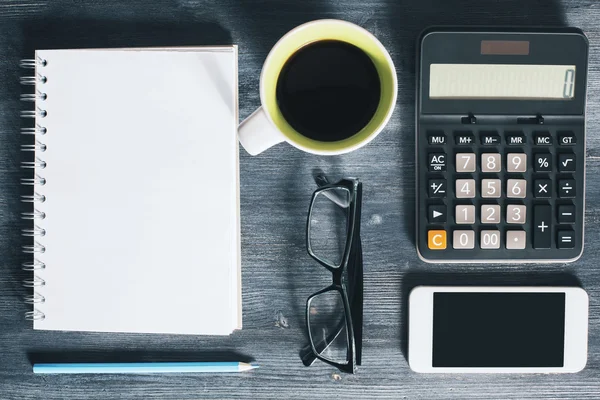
{"x": 543, "y": 139}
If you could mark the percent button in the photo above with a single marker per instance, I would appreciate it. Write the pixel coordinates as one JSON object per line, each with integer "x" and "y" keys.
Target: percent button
{"x": 543, "y": 162}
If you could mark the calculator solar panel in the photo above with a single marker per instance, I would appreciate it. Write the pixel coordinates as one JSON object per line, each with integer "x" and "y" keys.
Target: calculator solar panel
{"x": 501, "y": 145}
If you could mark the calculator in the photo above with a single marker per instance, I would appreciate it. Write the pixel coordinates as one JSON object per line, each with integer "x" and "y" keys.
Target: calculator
{"x": 500, "y": 145}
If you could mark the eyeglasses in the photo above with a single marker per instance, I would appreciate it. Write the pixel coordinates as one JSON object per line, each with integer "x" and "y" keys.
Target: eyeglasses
{"x": 334, "y": 314}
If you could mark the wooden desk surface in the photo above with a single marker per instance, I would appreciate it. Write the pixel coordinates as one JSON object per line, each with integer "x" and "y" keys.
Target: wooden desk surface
{"x": 276, "y": 187}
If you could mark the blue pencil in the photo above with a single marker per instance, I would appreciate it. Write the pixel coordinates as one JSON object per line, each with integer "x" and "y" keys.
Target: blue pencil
{"x": 142, "y": 368}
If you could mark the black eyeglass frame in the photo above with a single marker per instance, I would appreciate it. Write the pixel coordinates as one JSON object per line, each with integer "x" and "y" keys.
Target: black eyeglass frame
{"x": 352, "y": 255}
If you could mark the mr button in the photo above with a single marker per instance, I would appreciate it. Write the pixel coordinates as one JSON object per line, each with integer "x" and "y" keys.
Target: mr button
{"x": 436, "y": 239}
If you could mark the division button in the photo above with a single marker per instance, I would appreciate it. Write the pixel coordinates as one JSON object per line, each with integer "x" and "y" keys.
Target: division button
{"x": 542, "y": 229}
{"x": 566, "y": 239}
{"x": 566, "y": 188}
{"x": 566, "y": 214}
{"x": 516, "y": 240}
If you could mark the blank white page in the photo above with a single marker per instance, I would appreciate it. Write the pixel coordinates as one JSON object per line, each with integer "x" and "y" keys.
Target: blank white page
{"x": 142, "y": 211}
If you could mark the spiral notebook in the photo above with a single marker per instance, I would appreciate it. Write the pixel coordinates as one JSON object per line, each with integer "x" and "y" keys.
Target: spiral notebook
{"x": 136, "y": 190}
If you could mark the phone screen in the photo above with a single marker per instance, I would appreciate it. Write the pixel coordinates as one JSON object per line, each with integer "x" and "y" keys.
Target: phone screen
{"x": 498, "y": 329}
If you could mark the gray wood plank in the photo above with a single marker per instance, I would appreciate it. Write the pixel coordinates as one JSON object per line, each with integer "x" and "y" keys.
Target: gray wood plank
{"x": 277, "y": 273}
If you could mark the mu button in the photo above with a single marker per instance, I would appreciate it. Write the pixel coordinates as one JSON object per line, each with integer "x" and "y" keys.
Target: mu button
{"x": 436, "y": 240}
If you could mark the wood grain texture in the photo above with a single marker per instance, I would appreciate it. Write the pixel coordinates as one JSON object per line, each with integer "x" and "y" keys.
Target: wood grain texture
{"x": 277, "y": 273}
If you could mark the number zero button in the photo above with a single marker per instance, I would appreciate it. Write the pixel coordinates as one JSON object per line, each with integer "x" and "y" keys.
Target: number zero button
{"x": 463, "y": 240}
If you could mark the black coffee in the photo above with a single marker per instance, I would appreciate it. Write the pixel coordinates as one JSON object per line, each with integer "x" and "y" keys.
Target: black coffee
{"x": 328, "y": 90}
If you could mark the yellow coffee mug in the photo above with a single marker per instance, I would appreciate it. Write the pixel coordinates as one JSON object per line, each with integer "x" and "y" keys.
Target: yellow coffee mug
{"x": 267, "y": 126}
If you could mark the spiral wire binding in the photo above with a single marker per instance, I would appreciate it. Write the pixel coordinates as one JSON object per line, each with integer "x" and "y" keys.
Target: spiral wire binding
{"x": 34, "y": 231}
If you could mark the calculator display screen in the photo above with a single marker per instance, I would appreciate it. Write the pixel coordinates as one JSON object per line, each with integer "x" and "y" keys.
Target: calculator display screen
{"x": 498, "y": 329}
{"x": 502, "y": 81}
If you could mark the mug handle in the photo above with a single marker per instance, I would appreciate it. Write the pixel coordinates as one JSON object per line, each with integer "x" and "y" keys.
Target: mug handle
{"x": 257, "y": 133}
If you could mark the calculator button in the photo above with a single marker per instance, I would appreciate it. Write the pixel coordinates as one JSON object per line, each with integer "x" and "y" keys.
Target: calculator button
{"x": 490, "y": 214}
{"x": 490, "y": 139}
{"x": 465, "y": 214}
{"x": 465, "y": 162}
{"x": 464, "y": 138}
{"x": 436, "y": 239}
{"x": 463, "y": 240}
{"x": 566, "y": 162}
{"x": 437, "y": 213}
{"x": 567, "y": 138}
{"x": 490, "y": 239}
{"x": 515, "y": 240}
{"x": 542, "y": 188}
{"x": 437, "y": 162}
{"x": 543, "y": 138}
{"x": 516, "y": 188}
{"x": 491, "y": 162}
{"x": 542, "y": 162}
{"x": 515, "y": 139}
{"x": 516, "y": 162}
{"x": 566, "y": 188}
{"x": 465, "y": 188}
{"x": 437, "y": 188}
{"x": 566, "y": 239}
{"x": 542, "y": 230}
{"x": 566, "y": 214}
{"x": 491, "y": 188}
{"x": 437, "y": 138}
{"x": 516, "y": 214}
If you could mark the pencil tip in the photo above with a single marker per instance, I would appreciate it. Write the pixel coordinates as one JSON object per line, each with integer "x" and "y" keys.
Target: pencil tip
{"x": 253, "y": 365}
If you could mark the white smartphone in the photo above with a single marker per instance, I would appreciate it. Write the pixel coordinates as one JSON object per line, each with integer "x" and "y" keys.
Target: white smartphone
{"x": 462, "y": 329}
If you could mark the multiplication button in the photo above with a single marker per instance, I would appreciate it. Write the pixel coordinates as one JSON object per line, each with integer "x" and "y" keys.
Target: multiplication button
{"x": 542, "y": 188}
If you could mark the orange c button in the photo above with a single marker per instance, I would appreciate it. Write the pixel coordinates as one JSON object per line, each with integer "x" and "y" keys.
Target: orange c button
{"x": 436, "y": 240}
